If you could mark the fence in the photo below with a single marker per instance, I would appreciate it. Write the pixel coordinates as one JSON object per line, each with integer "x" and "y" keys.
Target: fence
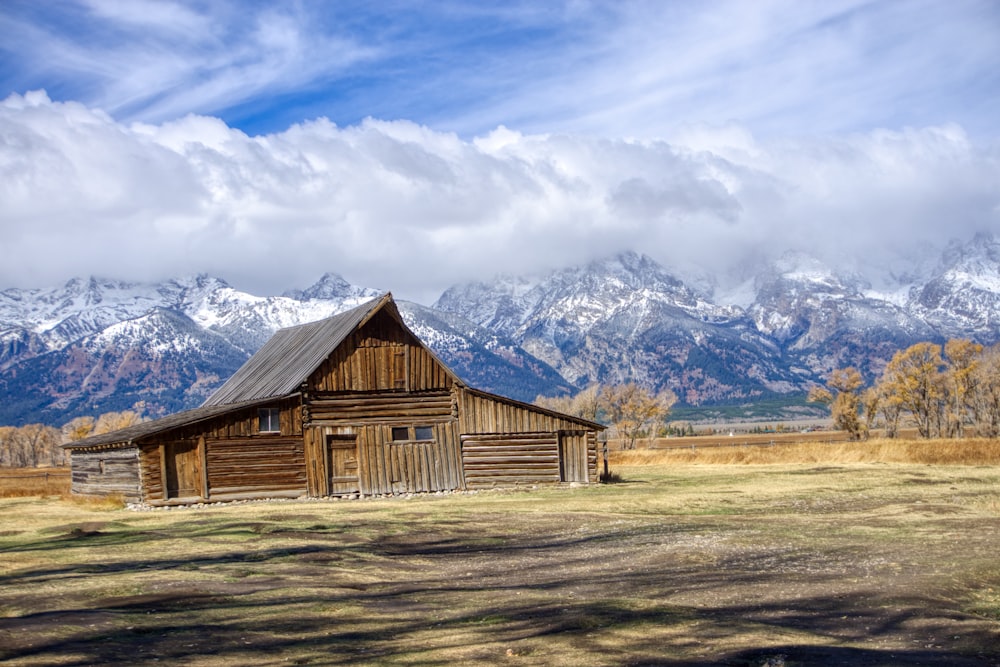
{"x": 25, "y": 481}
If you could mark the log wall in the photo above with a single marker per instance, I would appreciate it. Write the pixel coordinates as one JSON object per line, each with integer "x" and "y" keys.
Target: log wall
{"x": 509, "y": 459}
{"x": 519, "y": 435}
{"x": 255, "y": 467}
{"x": 229, "y": 469}
{"x": 104, "y": 472}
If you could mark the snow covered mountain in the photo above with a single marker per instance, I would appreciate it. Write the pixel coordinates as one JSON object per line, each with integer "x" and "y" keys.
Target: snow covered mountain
{"x": 628, "y": 318}
{"x": 96, "y": 345}
{"x": 962, "y": 299}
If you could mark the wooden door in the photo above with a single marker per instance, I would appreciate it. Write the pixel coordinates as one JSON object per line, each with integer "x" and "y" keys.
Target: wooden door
{"x": 182, "y": 465}
{"x": 342, "y": 464}
{"x": 573, "y": 456}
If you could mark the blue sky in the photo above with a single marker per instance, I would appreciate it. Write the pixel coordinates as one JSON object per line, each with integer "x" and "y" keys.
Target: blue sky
{"x": 516, "y": 135}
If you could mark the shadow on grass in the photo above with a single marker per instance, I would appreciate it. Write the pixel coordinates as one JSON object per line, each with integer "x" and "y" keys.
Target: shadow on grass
{"x": 483, "y": 596}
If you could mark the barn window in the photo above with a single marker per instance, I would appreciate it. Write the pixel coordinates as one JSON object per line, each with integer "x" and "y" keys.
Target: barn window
{"x": 408, "y": 433}
{"x": 269, "y": 420}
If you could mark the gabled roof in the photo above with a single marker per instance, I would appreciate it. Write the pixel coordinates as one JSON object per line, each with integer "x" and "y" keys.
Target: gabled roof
{"x": 288, "y": 359}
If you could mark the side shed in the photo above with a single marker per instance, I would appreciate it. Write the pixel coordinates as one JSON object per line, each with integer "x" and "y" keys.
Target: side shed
{"x": 354, "y": 404}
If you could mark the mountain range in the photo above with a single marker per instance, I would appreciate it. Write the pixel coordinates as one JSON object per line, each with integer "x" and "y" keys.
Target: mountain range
{"x": 96, "y": 345}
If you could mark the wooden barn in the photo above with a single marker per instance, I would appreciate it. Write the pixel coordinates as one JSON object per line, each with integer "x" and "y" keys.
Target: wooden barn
{"x": 351, "y": 405}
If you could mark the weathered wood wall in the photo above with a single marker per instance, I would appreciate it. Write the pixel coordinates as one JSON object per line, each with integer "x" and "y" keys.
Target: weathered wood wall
{"x": 380, "y": 356}
{"x": 509, "y": 459}
{"x": 578, "y": 456}
{"x": 516, "y": 434}
{"x": 255, "y": 467}
{"x": 268, "y": 466}
{"x": 386, "y": 466}
{"x": 380, "y": 408}
{"x": 409, "y": 466}
{"x": 481, "y": 413}
{"x": 106, "y": 471}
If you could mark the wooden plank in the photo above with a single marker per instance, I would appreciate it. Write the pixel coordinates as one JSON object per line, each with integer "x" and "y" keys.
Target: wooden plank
{"x": 203, "y": 458}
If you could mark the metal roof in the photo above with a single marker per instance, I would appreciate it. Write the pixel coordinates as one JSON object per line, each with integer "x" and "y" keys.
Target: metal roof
{"x": 129, "y": 434}
{"x": 291, "y": 355}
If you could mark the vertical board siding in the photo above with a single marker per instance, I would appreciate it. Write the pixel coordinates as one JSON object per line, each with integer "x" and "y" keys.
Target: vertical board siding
{"x": 485, "y": 414}
{"x": 575, "y": 456}
{"x": 104, "y": 472}
{"x": 508, "y": 459}
{"x": 387, "y": 467}
{"x": 380, "y": 356}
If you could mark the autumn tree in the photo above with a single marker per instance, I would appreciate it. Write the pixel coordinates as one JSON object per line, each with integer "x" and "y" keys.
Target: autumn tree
{"x": 986, "y": 399}
{"x": 961, "y": 385}
{"x": 584, "y": 404}
{"x": 112, "y": 421}
{"x": 632, "y": 409}
{"x": 913, "y": 376}
{"x": 78, "y": 429}
{"x": 871, "y": 404}
{"x": 31, "y": 446}
{"x": 844, "y": 398}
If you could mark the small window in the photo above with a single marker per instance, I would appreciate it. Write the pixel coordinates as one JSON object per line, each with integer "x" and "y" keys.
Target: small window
{"x": 269, "y": 420}
{"x": 411, "y": 433}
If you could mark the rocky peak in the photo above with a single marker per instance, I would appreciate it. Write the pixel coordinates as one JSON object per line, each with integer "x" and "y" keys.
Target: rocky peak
{"x": 331, "y": 286}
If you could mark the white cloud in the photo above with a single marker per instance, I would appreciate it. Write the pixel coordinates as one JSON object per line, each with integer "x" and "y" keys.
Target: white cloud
{"x": 399, "y": 206}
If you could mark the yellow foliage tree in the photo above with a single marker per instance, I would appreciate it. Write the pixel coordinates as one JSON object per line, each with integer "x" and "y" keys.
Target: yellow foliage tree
{"x": 583, "y": 404}
{"x": 960, "y": 384}
{"x": 633, "y": 409}
{"x": 844, "y": 399}
{"x": 112, "y": 421}
{"x": 78, "y": 429}
{"x": 914, "y": 378}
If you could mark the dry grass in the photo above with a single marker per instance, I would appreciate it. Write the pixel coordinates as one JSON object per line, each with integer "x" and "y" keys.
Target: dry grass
{"x": 971, "y": 451}
{"x": 696, "y": 565}
{"x": 26, "y": 482}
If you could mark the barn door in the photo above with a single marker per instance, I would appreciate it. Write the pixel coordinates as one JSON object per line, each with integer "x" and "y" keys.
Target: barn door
{"x": 573, "y": 456}
{"x": 342, "y": 458}
{"x": 182, "y": 468}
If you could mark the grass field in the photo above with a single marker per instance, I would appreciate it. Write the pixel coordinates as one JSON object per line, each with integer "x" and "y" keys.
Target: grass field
{"x": 693, "y": 564}
{"x": 21, "y": 482}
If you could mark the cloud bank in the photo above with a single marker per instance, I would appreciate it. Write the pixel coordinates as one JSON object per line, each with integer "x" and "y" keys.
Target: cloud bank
{"x": 399, "y": 206}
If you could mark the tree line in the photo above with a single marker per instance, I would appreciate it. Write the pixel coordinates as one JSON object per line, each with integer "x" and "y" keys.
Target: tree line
{"x": 37, "y": 445}
{"x": 948, "y": 391}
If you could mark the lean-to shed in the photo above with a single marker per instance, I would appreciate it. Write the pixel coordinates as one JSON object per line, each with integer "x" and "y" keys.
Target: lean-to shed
{"x": 351, "y": 405}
